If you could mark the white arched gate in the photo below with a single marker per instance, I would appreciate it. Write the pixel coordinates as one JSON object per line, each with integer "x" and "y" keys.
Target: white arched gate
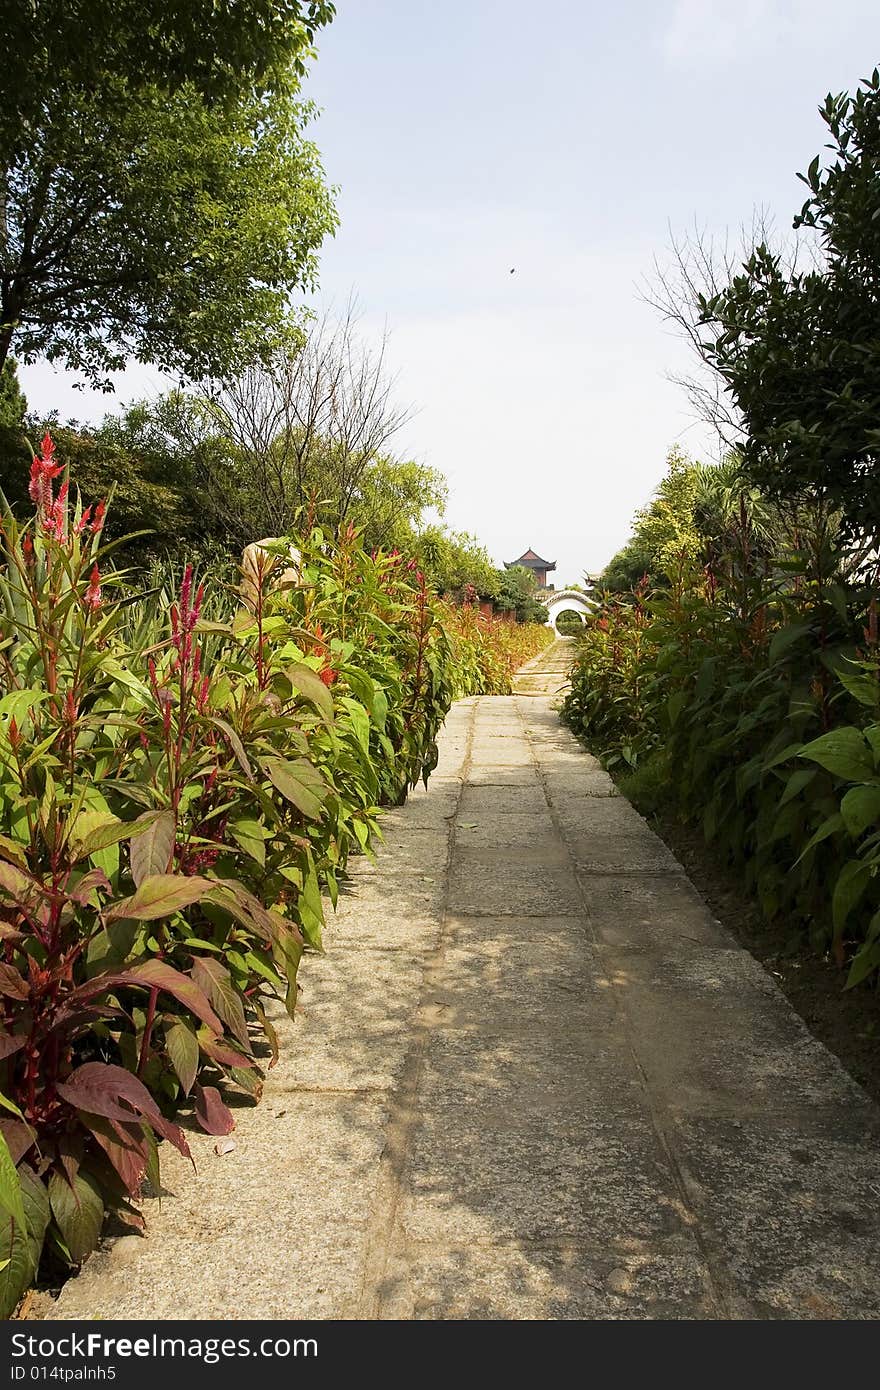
{"x": 560, "y": 601}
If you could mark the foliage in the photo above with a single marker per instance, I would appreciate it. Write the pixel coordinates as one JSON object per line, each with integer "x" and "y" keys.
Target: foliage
{"x": 457, "y": 564}
{"x": 570, "y": 623}
{"x": 488, "y": 650}
{"x": 155, "y": 224}
{"x": 218, "y": 48}
{"x": 517, "y": 595}
{"x": 12, "y": 399}
{"x": 183, "y": 776}
{"x": 625, "y": 568}
{"x": 742, "y": 693}
{"x": 798, "y": 351}
{"x": 663, "y": 531}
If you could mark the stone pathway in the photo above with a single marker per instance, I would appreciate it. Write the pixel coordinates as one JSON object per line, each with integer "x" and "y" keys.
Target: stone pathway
{"x": 531, "y": 1078}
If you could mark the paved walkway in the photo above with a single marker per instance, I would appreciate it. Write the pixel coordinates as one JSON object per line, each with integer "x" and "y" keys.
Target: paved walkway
{"x": 531, "y": 1078}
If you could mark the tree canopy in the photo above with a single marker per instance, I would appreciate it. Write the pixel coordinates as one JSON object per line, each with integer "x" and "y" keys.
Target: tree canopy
{"x": 799, "y": 351}
{"x": 55, "y": 49}
{"x": 167, "y": 219}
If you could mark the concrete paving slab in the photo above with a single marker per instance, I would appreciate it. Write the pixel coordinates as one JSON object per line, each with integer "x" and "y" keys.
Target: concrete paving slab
{"x": 791, "y": 1218}
{"x": 479, "y": 889}
{"x": 651, "y": 913}
{"x": 526, "y": 800}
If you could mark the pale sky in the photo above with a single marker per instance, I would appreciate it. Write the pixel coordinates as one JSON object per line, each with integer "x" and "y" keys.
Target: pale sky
{"x": 479, "y": 135}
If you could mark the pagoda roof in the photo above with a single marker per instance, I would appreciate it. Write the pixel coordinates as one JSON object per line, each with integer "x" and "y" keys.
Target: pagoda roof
{"x": 531, "y": 560}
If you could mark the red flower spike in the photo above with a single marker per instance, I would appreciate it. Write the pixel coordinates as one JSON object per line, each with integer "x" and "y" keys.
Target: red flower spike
{"x": 197, "y": 607}
{"x": 98, "y": 523}
{"x": 92, "y": 595}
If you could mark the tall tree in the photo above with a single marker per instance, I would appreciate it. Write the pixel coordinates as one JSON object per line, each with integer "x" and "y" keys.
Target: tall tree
{"x": 800, "y": 352}
{"x": 53, "y": 49}
{"x": 167, "y": 209}
{"x": 12, "y": 399}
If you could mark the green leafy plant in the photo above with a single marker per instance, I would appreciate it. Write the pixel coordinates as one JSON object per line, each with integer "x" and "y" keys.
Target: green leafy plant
{"x": 183, "y": 777}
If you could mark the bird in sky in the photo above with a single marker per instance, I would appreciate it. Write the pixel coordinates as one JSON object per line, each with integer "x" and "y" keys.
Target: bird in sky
{"x": 513, "y": 269}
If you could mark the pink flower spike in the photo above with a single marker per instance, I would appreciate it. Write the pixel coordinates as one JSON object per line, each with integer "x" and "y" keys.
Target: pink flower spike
{"x": 185, "y": 591}
{"x": 48, "y": 447}
{"x": 54, "y": 515}
{"x": 98, "y": 523}
{"x": 197, "y": 606}
{"x": 92, "y": 595}
{"x": 83, "y": 522}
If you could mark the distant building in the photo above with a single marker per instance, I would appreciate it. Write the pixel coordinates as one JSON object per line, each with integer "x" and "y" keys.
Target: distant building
{"x": 540, "y": 568}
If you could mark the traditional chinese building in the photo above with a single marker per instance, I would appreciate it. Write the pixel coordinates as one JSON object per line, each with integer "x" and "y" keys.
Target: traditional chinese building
{"x": 540, "y": 568}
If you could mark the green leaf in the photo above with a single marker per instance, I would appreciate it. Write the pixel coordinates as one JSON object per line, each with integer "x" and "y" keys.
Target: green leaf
{"x": 287, "y": 950}
{"x": 216, "y": 982}
{"x": 235, "y": 744}
{"x": 251, "y": 836}
{"x": 309, "y": 684}
{"x": 851, "y": 883}
{"x": 95, "y": 830}
{"x": 360, "y": 721}
{"x": 784, "y": 638}
{"x": 299, "y": 782}
{"x": 183, "y": 1050}
{"x": 159, "y": 895}
{"x": 17, "y": 1266}
{"x": 864, "y": 963}
{"x": 78, "y": 1209}
{"x": 860, "y": 808}
{"x": 311, "y": 909}
{"x": 863, "y": 688}
{"x": 796, "y": 783}
{"x": 844, "y": 752}
{"x": 829, "y": 826}
{"x": 37, "y": 1214}
{"x": 674, "y": 706}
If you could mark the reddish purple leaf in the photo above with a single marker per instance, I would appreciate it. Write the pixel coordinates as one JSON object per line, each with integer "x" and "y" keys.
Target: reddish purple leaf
{"x": 125, "y": 1147}
{"x": 16, "y": 884}
{"x": 18, "y": 1135}
{"x": 158, "y": 974}
{"x": 213, "y": 1116}
{"x": 184, "y": 989}
{"x": 11, "y": 1042}
{"x": 221, "y": 1052}
{"x": 98, "y": 1087}
{"x": 12, "y": 983}
{"x": 88, "y": 885}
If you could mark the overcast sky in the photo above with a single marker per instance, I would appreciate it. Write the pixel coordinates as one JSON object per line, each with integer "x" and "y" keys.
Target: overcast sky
{"x": 475, "y": 136}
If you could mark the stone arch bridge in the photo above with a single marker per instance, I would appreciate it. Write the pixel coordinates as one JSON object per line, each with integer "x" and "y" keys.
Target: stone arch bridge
{"x": 559, "y": 601}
